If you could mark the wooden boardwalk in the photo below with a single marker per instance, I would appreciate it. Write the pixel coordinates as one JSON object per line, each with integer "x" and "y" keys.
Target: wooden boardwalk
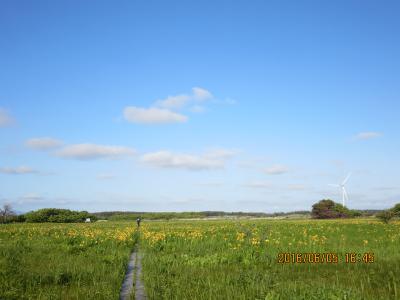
{"x": 133, "y": 272}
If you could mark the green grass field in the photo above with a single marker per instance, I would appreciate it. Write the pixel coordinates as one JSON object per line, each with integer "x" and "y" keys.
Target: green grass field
{"x": 64, "y": 261}
{"x": 238, "y": 260}
{"x": 223, "y": 259}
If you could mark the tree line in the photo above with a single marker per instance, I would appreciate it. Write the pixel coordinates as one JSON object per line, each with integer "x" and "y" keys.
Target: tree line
{"x": 324, "y": 209}
{"x": 328, "y": 209}
{"x": 51, "y": 215}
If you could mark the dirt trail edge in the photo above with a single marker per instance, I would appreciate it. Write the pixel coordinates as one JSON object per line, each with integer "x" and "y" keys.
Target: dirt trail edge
{"x": 127, "y": 285}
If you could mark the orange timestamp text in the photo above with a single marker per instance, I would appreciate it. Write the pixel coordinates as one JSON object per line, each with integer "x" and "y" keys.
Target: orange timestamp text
{"x": 321, "y": 258}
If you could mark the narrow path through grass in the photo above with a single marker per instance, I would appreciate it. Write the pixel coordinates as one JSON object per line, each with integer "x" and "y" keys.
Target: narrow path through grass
{"x": 133, "y": 275}
{"x": 139, "y": 287}
{"x": 127, "y": 284}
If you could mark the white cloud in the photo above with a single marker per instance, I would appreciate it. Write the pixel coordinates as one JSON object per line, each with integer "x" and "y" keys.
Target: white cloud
{"x": 215, "y": 159}
{"x": 201, "y": 94}
{"x": 93, "y": 151}
{"x": 5, "y": 118}
{"x": 43, "y": 143}
{"x": 276, "y": 170}
{"x": 368, "y": 135}
{"x": 17, "y": 170}
{"x": 163, "y": 111}
{"x": 179, "y": 101}
{"x": 152, "y": 115}
{"x": 173, "y": 102}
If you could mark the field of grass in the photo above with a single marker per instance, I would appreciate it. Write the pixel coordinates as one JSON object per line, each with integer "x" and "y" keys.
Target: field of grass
{"x": 64, "y": 261}
{"x": 238, "y": 259}
{"x": 220, "y": 259}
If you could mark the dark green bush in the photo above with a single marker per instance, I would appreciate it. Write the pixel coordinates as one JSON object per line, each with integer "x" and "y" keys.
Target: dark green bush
{"x": 328, "y": 209}
{"x": 56, "y": 215}
{"x": 396, "y": 210}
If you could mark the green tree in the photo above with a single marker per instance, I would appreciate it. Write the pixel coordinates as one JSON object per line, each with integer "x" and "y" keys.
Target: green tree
{"x": 56, "y": 215}
{"x": 328, "y": 209}
{"x": 385, "y": 216}
{"x": 396, "y": 210}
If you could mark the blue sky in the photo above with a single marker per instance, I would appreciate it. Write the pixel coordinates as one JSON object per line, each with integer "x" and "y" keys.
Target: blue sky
{"x": 198, "y": 105}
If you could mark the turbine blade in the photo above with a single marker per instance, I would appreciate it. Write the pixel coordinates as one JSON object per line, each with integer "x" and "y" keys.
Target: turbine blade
{"x": 347, "y": 178}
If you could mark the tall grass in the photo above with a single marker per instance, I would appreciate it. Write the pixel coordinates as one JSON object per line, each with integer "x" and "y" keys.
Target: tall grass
{"x": 238, "y": 260}
{"x": 64, "y": 261}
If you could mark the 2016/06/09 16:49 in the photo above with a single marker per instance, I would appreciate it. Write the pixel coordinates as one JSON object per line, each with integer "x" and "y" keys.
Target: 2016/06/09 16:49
{"x": 320, "y": 258}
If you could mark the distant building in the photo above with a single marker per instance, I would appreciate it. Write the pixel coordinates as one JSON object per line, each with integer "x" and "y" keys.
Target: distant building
{"x": 87, "y": 220}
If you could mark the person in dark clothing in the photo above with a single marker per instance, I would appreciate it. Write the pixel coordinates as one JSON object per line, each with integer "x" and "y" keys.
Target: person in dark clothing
{"x": 138, "y": 220}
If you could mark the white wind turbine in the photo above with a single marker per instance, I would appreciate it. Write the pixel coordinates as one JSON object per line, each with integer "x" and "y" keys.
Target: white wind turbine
{"x": 341, "y": 186}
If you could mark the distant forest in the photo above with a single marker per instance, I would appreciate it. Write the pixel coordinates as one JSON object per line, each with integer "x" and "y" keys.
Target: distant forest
{"x": 57, "y": 215}
{"x": 123, "y": 215}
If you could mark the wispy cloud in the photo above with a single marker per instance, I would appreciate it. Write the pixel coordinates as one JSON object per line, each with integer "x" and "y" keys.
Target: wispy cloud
{"x": 259, "y": 185}
{"x": 164, "y": 111}
{"x": 93, "y": 151}
{"x": 174, "y": 102}
{"x": 105, "y": 176}
{"x": 270, "y": 186}
{"x": 35, "y": 201}
{"x": 17, "y": 170}
{"x": 276, "y": 170}
{"x": 197, "y": 109}
{"x": 201, "y": 94}
{"x": 296, "y": 187}
{"x": 210, "y": 184}
{"x": 214, "y": 159}
{"x": 152, "y": 115}
{"x": 385, "y": 188}
{"x": 31, "y": 197}
{"x": 368, "y": 135}
{"x": 5, "y": 118}
{"x": 43, "y": 143}
{"x": 230, "y": 101}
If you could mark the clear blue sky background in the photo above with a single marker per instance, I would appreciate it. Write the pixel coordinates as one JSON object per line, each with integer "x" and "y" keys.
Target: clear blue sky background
{"x": 298, "y": 94}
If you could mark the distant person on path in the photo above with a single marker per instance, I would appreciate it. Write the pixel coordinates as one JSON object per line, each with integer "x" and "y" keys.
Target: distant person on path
{"x": 138, "y": 220}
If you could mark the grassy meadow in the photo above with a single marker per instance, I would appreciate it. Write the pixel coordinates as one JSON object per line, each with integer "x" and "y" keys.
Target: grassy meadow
{"x": 238, "y": 259}
{"x": 64, "y": 261}
{"x": 219, "y": 259}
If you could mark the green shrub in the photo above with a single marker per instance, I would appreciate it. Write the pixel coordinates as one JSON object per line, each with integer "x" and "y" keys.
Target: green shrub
{"x": 55, "y": 215}
{"x": 355, "y": 213}
{"x": 385, "y": 216}
{"x": 396, "y": 210}
{"x": 328, "y": 209}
